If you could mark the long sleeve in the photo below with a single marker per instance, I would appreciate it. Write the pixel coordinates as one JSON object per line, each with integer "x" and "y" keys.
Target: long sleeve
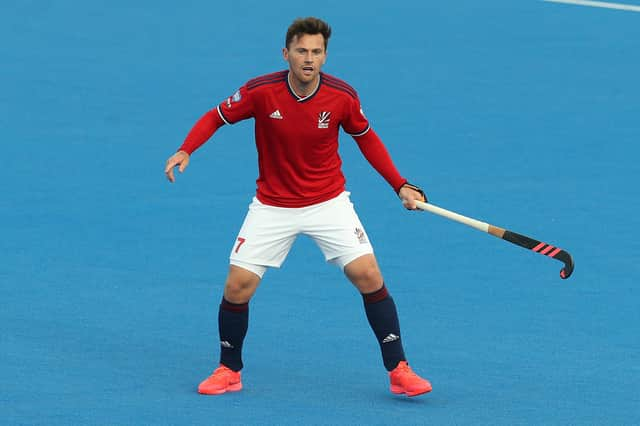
{"x": 377, "y": 155}
{"x": 204, "y": 128}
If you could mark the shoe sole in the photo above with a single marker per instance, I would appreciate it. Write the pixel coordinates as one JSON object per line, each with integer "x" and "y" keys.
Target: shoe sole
{"x": 398, "y": 390}
{"x": 231, "y": 388}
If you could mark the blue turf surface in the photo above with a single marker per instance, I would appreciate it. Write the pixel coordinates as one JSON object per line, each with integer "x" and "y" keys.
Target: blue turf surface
{"x": 520, "y": 113}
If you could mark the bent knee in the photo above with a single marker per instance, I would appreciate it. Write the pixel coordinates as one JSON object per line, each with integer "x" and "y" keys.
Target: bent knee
{"x": 365, "y": 274}
{"x": 370, "y": 274}
{"x": 238, "y": 292}
{"x": 240, "y": 285}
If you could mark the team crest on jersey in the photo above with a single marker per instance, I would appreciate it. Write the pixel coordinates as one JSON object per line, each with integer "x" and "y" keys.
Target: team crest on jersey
{"x": 362, "y": 237}
{"x": 323, "y": 120}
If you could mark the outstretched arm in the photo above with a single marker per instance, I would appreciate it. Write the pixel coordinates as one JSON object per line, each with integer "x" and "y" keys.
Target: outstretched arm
{"x": 377, "y": 155}
{"x": 204, "y": 128}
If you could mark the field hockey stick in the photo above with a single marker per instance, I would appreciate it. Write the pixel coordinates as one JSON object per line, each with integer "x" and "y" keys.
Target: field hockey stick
{"x": 512, "y": 237}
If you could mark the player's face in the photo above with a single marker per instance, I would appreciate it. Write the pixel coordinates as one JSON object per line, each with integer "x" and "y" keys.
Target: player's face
{"x": 306, "y": 55}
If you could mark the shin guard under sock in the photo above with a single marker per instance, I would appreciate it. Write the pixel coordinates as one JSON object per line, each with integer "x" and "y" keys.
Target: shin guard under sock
{"x": 233, "y": 321}
{"x": 383, "y": 318}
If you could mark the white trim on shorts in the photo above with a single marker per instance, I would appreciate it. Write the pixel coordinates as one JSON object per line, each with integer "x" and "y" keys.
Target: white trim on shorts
{"x": 268, "y": 232}
{"x": 259, "y": 270}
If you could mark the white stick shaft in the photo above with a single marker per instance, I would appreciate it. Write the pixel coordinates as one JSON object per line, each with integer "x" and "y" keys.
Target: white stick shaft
{"x": 481, "y": 226}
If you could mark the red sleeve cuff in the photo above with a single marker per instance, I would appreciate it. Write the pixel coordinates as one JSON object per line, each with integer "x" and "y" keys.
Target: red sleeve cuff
{"x": 399, "y": 187}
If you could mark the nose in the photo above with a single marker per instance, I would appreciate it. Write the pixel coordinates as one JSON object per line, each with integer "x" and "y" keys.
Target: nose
{"x": 308, "y": 57}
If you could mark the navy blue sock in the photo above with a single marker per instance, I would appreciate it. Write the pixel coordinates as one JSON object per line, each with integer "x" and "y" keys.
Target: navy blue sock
{"x": 383, "y": 318}
{"x": 233, "y": 321}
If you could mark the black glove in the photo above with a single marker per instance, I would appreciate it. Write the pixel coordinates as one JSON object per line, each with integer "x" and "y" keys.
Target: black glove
{"x": 415, "y": 188}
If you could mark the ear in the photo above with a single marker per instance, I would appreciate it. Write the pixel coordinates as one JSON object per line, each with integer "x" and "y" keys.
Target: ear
{"x": 285, "y": 54}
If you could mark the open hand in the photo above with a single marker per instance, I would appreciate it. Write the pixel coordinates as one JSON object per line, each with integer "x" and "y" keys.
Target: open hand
{"x": 180, "y": 159}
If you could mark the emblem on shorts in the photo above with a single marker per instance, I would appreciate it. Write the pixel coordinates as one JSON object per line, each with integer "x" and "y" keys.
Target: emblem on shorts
{"x": 362, "y": 237}
{"x": 323, "y": 120}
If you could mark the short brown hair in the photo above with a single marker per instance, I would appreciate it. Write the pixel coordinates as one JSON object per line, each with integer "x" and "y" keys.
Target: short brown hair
{"x": 309, "y": 25}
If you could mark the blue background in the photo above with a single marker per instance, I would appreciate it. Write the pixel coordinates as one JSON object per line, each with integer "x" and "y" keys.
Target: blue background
{"x": 523, "y": 114}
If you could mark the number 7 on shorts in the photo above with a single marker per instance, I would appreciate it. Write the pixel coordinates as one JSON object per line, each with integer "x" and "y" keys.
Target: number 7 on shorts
{"x": 240, "y": 243}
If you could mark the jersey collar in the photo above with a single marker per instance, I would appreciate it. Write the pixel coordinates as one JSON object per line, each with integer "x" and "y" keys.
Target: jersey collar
{"x": 305, "y": 98}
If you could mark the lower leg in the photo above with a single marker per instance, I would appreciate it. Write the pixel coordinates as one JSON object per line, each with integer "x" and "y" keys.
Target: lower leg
{"x": 379, "y": 306}
{"x": 233, "y": 322}
{"x": 383, "y": 319}
{"x": 233, "y": 315}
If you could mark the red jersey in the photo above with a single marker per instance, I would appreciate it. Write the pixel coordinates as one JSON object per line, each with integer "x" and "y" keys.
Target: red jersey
{"x": 297, "y": 138}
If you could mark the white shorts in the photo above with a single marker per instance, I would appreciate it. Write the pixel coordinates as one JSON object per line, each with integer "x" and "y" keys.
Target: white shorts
{"x": 268, "y": 233}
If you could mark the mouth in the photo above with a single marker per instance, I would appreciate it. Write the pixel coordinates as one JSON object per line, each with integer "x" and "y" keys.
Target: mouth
{"x": 307, "y": 70}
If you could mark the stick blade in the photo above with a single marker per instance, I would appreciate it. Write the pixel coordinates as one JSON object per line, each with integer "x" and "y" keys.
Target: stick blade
{"x": 566, "y": 258}
{"x": 544, "y": 249}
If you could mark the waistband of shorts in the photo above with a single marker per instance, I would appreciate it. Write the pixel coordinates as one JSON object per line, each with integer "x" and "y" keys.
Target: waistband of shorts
{"x": 343, "y": 195}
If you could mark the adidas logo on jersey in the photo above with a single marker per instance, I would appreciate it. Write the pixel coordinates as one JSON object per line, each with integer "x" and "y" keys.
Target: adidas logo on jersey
{"x": 390, "y": 338}
{"x": 276, "y": 114}
{"x": 226, "y": 344}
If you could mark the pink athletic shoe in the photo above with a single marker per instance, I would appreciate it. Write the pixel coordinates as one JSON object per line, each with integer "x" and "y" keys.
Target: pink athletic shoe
{"x": 404, "y": 380}
{"x": 222, "y": 380}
